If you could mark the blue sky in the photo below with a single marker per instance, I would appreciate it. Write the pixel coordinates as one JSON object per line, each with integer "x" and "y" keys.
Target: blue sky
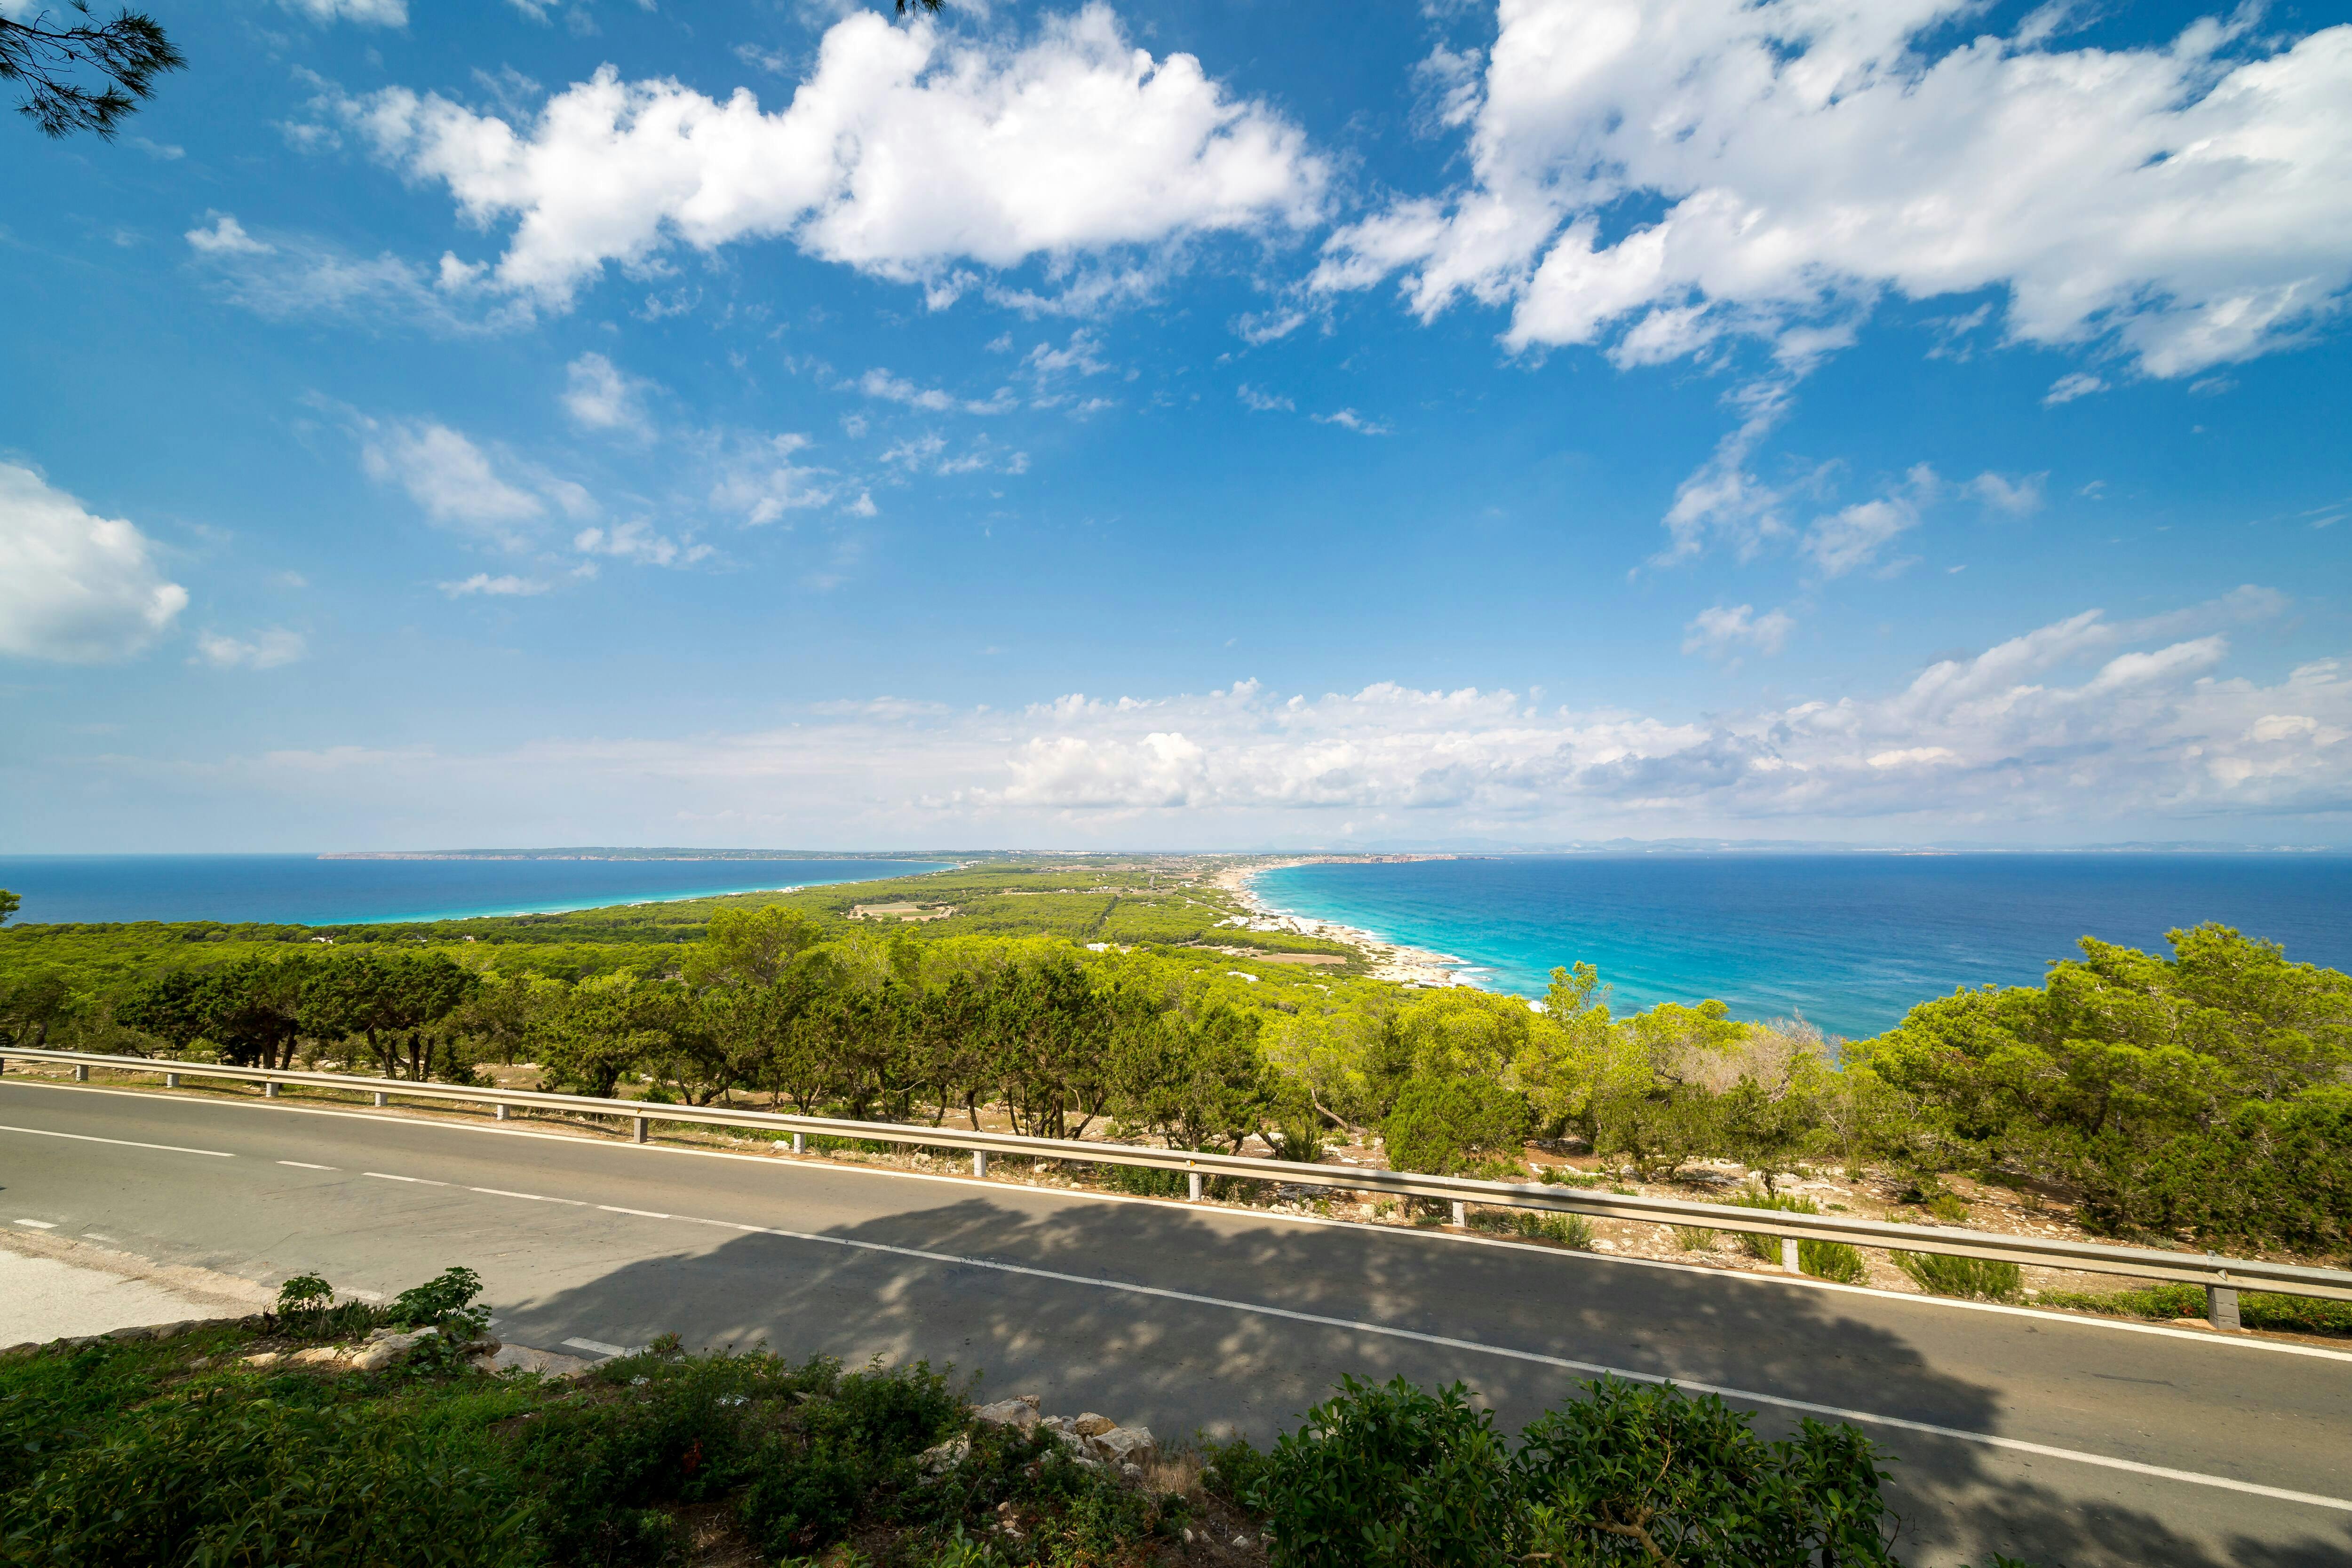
{"x": 1175, "y": 426}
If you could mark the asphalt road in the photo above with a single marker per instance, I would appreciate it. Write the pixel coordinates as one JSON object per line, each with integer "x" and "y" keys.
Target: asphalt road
{"x": 2056, "y": 1441}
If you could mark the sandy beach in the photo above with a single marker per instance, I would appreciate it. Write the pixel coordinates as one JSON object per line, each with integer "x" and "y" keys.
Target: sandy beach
{"x": 1389, "y": 960}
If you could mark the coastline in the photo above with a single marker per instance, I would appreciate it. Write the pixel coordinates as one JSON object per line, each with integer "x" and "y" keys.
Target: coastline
{"x": 1390, "y": 961}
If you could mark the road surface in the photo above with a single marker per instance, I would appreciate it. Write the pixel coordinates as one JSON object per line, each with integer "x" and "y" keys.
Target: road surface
{"x": 2057, "y": 1440}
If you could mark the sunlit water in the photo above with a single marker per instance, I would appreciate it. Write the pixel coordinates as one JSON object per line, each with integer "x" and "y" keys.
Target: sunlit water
{"x": 1847, "y": 941}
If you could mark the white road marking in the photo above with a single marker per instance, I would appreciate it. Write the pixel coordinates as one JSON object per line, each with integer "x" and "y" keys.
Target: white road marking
{"x": 1507, "y": 1352}
{"x": 640, "y": 1213}
{"x": 419, "y": 1181}
{"x": 599, "y": 1346}
{"x": 1986, "y": 1439}
{"x": 1736, "y": 1277}
{"x": 126, "y": 1143}
{"x": 307, "y": 1165}
{"x": 39, "y": 1223}
{"x": 94, "y": 1236}
{"x": 530, "y": 1196}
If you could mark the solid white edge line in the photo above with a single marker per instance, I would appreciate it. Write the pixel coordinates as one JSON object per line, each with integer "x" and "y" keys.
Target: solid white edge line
{"x": 1782, "y": 1282}
{"x": 599, "y": 1346}
{"x": 1807, "y": 1406}
{"x": 1352, "y": 1325}
{"x": 124, "y": 1143}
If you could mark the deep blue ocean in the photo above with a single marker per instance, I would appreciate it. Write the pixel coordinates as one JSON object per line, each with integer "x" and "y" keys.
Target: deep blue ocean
{"x": 303, "y": 890}
{"x": 1848, "y": 941}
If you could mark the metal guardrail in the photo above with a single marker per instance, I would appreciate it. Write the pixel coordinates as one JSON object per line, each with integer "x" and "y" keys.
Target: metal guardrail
{"x": 2222, "y": 1277}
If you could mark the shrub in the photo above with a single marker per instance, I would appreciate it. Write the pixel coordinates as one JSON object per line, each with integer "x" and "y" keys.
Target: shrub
{"x": 1232, "y": 1471}
{"x": 1566, "y": 1229}
{"x": 2276, "y": 1171}
{"x": 1143, "y": 1181}
{"x": 1390, "y": 1475}
{"x": 205, "y": 1478}
{"x": 1438, "y": 1121}
{"x": 1971, "y": 1279}
{"x": 1831, "y": 1261}
{"x": 1824, "y": 1260}
{"x": 442, "y": 1302}
{"x": 1383, "y": 1477}
{"x": 1695, "y": 1237}
{"x": 2258, "y": 1310}
{"x": 1635, "y": 1475}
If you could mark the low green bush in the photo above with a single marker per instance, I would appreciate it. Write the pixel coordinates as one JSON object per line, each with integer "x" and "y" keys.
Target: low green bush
{"x": 1566, "y": 1230}
{"x": 1972, "y": 1278}
{"x": 150, "y": 1454}
{"x": 1142, "y": 1180}
{"x": 1390, "y": 1476}
{"x": 1695, "y": 1237}
{"x": 1824, "y": 1260}
{"x": 1831, "y": 1261}
{"x": 2256, "y": 1310}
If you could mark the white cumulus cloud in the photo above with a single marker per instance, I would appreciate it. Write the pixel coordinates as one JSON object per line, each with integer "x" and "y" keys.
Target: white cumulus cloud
{"x": 264, "y": 651}
{"x": 74, "y": 585}
{"x": 905, "y": 153}
{"x": 504, "y": 587}
{"x": 454, "y": 480}
{"x": 602, "y": 397}
{"x": 368, "y": 13}
{"x": 1727, "y": 628}
{"x": 1788, "y": 161}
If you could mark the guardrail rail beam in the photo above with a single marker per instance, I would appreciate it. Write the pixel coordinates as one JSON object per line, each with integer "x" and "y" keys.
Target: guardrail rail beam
{"x": 2222, "y": 1277}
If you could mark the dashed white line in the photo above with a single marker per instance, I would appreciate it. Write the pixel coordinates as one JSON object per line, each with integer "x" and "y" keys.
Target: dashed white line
{"x": 2252, "y": 1342}
{"x": 387, "y": 1175}
{"x": 528, "y": 1197}
{"x": 125, "y": 1143}
{"x": 39, "y": 1223}
{"x": 1507, "y": 1352}
{"x": 307, "y": 1165}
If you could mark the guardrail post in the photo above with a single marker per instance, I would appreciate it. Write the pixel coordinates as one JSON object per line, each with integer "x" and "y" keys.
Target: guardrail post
{"x": 170, "y": 1081}
{"x": 1461, "y": 1213}
{"x": 641, "y": 1129}
{"x": 81, "y": 1073}
{"x": 382, "y": 1099}
{"x": 1790, "y": 1259}
{"x": 502, "y": 1113}
{"x": 800, "y": 1142}
{"x": 980, "y": 1162}
{"x": 2221, "y": 1306}
{"x": 1195, "y": 1183}
{"x": 270, "y": 1090}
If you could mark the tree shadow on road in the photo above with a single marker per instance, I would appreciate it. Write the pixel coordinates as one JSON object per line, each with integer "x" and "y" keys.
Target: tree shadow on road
{"x": 1191, "y": 1359}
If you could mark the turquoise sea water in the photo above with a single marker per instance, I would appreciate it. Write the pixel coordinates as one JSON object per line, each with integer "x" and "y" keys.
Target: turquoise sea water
{"x": 303, "y": 890}
{"x": 1847, "y": 941}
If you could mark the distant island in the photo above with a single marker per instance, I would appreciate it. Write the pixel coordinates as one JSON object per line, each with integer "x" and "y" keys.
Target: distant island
{"x": 612, "y": 852}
